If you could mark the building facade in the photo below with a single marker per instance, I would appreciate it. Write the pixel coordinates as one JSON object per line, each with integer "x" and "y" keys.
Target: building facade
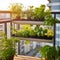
{"x": 55, "y": 7}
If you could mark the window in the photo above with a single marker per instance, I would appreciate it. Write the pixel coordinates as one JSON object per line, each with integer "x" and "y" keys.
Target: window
{"x": 55, "y": 0}
{"x": 58, "y": 34}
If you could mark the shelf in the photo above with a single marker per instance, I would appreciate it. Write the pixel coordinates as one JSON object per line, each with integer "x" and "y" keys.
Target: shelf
{"x": 33, "y": 23}
{"x": 29, "y": 22}
{"x": 35, "y": 39}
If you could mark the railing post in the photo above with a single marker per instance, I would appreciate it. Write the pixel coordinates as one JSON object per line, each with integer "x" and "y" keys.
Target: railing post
{"x": 5, "y": 29}
{"x": 18, "y": 27}
{"x": 54, "y": 41}
{"x": 11, "y": 28}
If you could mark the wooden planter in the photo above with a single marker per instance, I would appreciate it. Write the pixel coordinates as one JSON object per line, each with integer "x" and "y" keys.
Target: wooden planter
{"x": 29, "y": 19}
{"x": 40, "y": 37}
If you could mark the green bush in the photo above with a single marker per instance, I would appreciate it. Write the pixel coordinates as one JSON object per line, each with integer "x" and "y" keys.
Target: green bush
{"x": 7, "y": 48}
{"x": 58, "y": 49}
{"x": 23, "y": 33}
{"x": 49, "y": 52}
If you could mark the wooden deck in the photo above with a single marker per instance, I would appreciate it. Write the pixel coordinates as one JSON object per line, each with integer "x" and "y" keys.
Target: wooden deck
{"x": 25, "y": 58}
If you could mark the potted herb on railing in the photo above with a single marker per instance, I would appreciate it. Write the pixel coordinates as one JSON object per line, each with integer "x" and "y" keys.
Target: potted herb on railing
{"x": 30, "y": 13}
{"x": 7, "y": 48}
{"x": 39, "y": 13}
{"x": 49, "y": 20}
{"x": 16, "y": 10}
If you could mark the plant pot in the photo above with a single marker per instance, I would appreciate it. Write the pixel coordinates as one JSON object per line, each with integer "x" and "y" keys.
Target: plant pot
{"x": 10, "y": 57}
{"x": 59, "y": 58}
{"x": 46, "y": 37}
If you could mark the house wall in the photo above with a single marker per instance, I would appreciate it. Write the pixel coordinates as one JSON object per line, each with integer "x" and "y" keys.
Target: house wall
{"x": 55, "y": 6}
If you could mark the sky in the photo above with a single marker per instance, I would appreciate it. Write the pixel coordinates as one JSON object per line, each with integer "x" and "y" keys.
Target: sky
{"x": 4, "y": 4}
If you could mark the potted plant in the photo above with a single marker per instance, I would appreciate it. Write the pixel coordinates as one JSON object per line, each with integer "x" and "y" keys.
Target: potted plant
{"x": 49, "y": 34}
{"x": 39, "y": 13}
{"x": 49, "y": 20}
{"x": 32, "y": 33}
{"x": 49, "y": 52}
{"x": 58, "y": 49}
{"x": 30, "y": 13}
{"x": 7, "y": 48}
{"x": 16, "y": 10}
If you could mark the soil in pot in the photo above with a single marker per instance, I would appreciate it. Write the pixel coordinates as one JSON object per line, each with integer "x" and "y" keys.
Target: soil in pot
{"x": 38, "y": 19}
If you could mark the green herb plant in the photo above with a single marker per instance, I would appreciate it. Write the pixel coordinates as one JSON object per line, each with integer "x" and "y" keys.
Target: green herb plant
{"x": 49, "y": 52}
{"x": 16, "y": 10}
{"x": 7, "y": 48}
{"x": 39, "y": 13}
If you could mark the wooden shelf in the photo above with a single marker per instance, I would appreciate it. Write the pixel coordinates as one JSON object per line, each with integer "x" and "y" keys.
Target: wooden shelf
{"x": 28, "y": 22}
{"x": 33, "y": 23}
{"x": 35, "y": 39}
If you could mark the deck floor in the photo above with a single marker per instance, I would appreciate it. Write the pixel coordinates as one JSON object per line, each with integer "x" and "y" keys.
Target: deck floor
{"x": 25, "y": 58}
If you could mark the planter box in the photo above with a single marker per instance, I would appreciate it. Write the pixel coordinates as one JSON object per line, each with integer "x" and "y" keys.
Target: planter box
{"x": 41, "y": 37}
{"x": 29, "y": 19}
{"x": 34, "y": 39}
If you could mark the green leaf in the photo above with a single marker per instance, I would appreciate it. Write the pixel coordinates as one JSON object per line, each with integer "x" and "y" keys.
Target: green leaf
{"x": 27, "y": 42}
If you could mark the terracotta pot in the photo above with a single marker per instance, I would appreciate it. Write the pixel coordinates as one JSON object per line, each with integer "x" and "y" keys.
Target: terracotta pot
{"x": 10, "y": 57}
{"x": 59, "y": 58}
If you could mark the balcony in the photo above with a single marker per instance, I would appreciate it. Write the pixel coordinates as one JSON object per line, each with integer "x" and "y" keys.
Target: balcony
{"x": 8, "y": 23}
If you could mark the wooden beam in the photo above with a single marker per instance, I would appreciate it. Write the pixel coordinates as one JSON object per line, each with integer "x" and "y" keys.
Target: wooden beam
{"x": 35, "y": 39}
{"x": 28, "y": 22}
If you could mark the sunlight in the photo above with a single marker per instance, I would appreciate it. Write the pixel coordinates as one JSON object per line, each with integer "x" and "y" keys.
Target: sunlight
{"x": 4, "y": 4}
